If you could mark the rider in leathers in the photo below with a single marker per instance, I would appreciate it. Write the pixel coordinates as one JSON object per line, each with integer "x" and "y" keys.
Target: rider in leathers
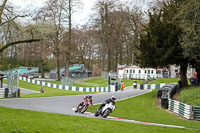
{"x": 107, "y": 102}
{"x": 88, "y": 98}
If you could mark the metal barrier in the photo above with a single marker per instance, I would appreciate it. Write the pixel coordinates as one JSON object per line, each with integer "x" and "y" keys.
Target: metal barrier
{"x": 2, "y": 92}
{"x": 66, "y": 87}
{"x": 196, "y": 113}
{"x": 13, "y": 84}
{"x": 180, "y": 108}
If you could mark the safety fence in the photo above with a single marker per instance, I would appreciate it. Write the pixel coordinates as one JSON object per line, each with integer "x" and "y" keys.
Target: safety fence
{"x": 196, "y": 110}
{"x": 150, "y": 86}
{"x": 180, "y": 108}
{"x": 6, "y": 93}
{"x": 2, "y": 92}
{"x": 71, "y": 88}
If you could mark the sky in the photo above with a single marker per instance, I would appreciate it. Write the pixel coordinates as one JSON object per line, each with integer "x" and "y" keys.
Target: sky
{"x": 80, "y": 17}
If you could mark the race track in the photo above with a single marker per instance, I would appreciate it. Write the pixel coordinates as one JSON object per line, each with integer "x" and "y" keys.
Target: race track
{"x": 64, "y": 104}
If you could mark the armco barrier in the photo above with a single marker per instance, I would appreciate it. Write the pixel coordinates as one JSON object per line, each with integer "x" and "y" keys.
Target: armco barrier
{"x": 180, "y": 108}
{"x": 2, "y": 92}
{"x": 71, "y": 88}
{"x": 151, "y": 86}
{"x": 196, "y": 110}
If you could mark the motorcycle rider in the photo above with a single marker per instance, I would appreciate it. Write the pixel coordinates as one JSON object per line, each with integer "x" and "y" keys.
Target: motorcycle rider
{"x": 112, "y": 99}
{"x": 86, "y": 98}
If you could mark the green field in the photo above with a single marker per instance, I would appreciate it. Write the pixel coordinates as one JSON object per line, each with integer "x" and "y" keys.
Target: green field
{"x": 101, "y": 82}
{"x": 190, "y": 96}
{"x": 143, "y": 108}
{"x": 164, "y": 80}
{"x": 24, "y": 121}
{"x": 98, "y": 82}
{"x": 49, "y": 92}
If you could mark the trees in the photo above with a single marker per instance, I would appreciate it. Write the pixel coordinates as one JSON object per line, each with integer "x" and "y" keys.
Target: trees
{"x": 5, "y": 19}
{"x": 118, "y": 32}
{"x": 160, "y": 45}
{"x": 55, "y": 12}
{"x": 190, "y": 39}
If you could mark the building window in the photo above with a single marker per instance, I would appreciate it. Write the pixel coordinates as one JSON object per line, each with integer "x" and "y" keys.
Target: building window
{"x": 126, "y": 70}
{"x": 131, "y": 71}
{"x": 145, "y": 71}
{"x": 148, "y": 71}
{"x": 139, "y": 71}
{"x": 151, "y": 71}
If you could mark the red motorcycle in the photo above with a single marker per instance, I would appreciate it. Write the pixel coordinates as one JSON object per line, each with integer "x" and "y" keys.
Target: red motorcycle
{"x": 83, "y": 107}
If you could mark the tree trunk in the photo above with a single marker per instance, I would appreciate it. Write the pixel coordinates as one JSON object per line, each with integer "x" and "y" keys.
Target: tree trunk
{"x": 67, "y": 66}
{"x": 109, "y": 60}
{"x": 42, "y": 65}
{"x": 58, "y": 64}
{"x": 70, "y": 41}
{"x": 183, "y": 74}
{"x": 103, "y": 62}
{"x": 120, "y": 55}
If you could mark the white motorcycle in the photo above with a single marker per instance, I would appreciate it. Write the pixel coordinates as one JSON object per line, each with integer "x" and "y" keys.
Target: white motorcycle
{"x": 106, "y": 110}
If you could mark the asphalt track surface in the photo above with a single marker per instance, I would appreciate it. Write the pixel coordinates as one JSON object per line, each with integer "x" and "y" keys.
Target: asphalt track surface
{"x": 65, "y": 104}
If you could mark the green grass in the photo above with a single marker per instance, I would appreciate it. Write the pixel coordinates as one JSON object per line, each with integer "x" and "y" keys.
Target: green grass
{"x": 143, "y": 108}
{"x": 91, "y": 82}
{"x": 98, "y": 82}
{"x": 190, "y": 96}
{"x": 129, "y": 82}
{"x": 24, "y": 121}
{"x": 101, "y": 82}
{"x": 49, "y": 92}
{"x": 164, "y": 80}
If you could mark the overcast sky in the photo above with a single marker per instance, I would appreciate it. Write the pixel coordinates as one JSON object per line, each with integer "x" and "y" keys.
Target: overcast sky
{"x": 80, "y": 17}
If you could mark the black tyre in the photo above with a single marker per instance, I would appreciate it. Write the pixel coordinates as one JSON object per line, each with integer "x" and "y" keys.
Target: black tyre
{"x": 79, "y": 109}
{"x": 96, "y": 113}
{"x": 85, "y": 107}
{"x": 106, "y": 113}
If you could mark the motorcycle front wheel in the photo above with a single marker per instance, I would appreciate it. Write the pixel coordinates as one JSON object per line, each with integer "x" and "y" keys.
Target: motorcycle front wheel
{"x": 106, "y": 113}
{"x": 85, "y": 107}
{"x": 96, "y": 113}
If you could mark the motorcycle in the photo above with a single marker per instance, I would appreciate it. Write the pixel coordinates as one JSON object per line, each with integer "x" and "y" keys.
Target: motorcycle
{"x": 82, "y": 108}
{"x": 106, "y": 110}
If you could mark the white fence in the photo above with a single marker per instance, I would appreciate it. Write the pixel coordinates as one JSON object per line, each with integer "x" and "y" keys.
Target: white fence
{"x": 180, "y": 108}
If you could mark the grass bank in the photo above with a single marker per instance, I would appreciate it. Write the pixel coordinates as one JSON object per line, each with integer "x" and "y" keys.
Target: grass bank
{"x": 49, "y": 92}
{"x": 164, "y": 80}
{"x": 190, "y": 96}
{"x": 24, "y": 121}
{"x": 98, "y": 82}
{"x": 143, "y": 108}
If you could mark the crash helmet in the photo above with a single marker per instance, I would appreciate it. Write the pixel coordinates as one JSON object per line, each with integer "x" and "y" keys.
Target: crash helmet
{"x": 113, "y": 98}
{"x": 89, "y": 96}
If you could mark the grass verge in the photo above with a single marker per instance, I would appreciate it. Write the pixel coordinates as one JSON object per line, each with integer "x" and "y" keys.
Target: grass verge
{"x": 24, "y": 121}
{"x": 98, "y": 82}
{"x": 143, "y": 108}
{"x": 190, "y": 96}
{"x": 48, "y": 92}
{"x": 164, "y": 80}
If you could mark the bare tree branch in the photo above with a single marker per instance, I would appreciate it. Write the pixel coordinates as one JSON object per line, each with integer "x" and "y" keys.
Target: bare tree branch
{"x": 17, "y": 42}
{"x": 12, "y": 19}
{"x": 1, "y": 9}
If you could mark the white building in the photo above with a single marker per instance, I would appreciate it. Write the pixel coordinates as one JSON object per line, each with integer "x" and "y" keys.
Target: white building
{"x": 135, "y": 72}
